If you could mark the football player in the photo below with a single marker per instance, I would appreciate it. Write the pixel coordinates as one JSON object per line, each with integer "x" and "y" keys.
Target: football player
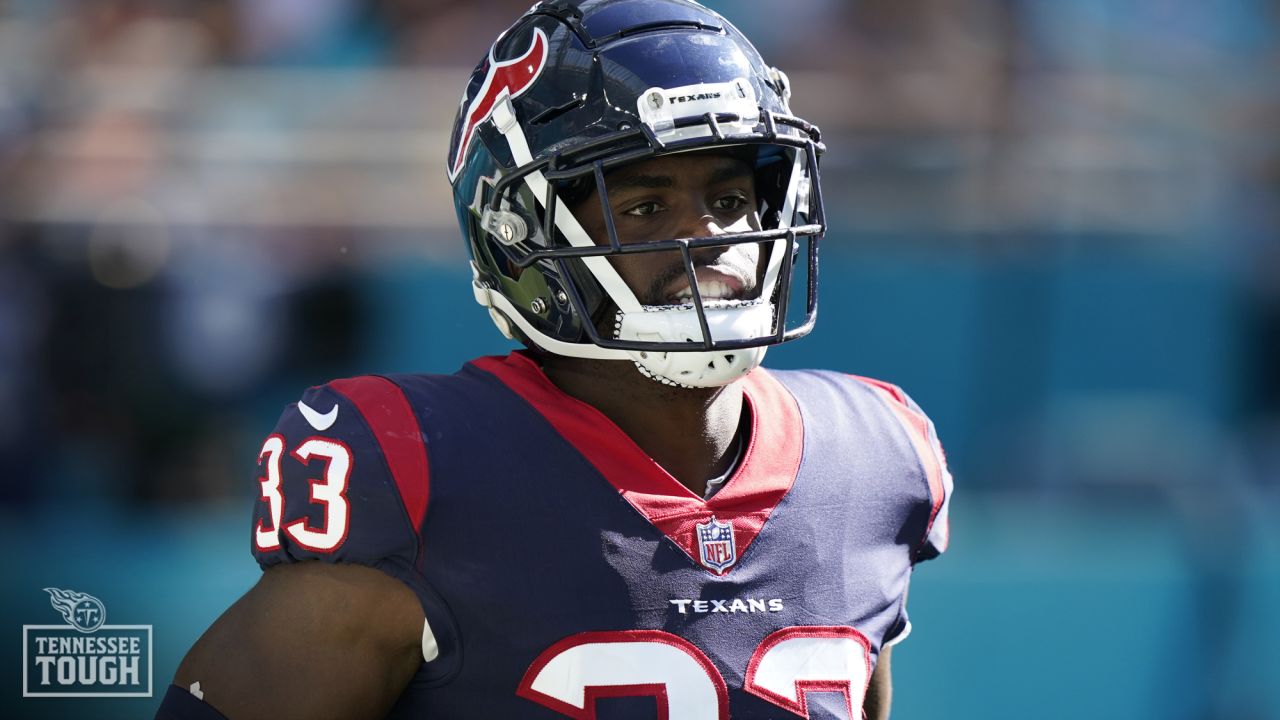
{"x": 629, "y": 518}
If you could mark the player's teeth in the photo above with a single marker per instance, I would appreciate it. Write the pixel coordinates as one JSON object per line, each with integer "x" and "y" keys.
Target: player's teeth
{"x": 710, "y": 290}
{"x": 713, "y": 290}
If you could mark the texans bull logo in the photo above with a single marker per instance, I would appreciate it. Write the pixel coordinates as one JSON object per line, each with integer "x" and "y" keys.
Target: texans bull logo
{"x": 508, "y": 78}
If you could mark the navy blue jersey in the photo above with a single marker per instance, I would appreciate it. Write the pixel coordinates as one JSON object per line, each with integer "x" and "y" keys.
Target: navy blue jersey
{"x": 564, "y": 573}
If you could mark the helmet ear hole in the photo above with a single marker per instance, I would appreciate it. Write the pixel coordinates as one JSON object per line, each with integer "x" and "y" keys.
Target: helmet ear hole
{"x": 503, "y": 261}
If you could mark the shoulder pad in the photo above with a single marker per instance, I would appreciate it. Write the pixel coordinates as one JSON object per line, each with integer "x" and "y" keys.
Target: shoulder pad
{"x": 924, "y": 438}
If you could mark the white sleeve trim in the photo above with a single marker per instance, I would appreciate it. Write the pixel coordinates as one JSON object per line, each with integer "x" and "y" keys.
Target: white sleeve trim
{"x": 899, "y": 637}
{"x": 430, "y": 650}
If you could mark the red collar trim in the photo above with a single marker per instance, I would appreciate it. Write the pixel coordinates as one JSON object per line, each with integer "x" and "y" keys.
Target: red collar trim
{"x": 764, "y": 477}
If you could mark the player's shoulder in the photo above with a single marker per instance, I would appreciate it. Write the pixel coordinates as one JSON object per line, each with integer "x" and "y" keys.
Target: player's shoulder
{"x": 345, "y": 477}
{"x": 359, "y": 398}
{"x": 381, "y": 422}
{"x": 361, "y": 435}
{"x": 347, "y": 455}
{"x": 838, "y": 408}
{"x": 883, "y": 409}
{"x": 375, "y": 391}
{"x": 351, "y": 412}
{"x": 828, "y": 396}
{"x": 375, "y": 404}
{"x": 856, "y": 392}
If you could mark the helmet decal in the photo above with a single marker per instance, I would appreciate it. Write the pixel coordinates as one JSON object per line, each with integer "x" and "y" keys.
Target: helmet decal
{"x": 508, "y": 77}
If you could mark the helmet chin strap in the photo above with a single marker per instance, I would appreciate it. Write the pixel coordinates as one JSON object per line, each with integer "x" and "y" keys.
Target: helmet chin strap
{"x": 727, "y": 320}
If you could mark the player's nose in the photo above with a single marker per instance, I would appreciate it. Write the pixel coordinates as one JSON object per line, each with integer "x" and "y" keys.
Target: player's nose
{"x": 700, "y": 223}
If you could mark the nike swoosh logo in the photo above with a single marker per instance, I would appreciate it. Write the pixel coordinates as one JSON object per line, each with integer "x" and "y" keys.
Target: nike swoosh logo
{"x": 318, "y": 421}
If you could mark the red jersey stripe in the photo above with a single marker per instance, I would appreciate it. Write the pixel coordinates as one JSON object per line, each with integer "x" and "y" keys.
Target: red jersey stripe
{"x": 394, "y": 426}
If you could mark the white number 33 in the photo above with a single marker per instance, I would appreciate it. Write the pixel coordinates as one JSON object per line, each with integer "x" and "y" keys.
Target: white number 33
{"x": 329, "y": 491}
{"x": 571, "y": 675}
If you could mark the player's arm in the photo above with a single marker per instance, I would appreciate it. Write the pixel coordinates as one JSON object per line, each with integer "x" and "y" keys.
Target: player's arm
{"x": 880, "y": 689}
{"x": 314, "y": 640}
{"x": 335, "y": 627}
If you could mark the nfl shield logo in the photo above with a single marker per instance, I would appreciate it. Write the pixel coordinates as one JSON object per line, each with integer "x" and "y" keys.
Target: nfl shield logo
{"x": 716, "y": 549}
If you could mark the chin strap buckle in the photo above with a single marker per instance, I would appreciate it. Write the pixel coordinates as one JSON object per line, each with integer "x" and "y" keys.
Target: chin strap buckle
{"x": 508, "y": 227}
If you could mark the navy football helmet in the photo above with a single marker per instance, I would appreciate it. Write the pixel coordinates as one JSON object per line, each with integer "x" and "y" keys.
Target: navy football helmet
{"x": 572, "y": 91}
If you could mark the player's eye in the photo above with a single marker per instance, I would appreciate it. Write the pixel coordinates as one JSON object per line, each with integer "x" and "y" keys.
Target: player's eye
{"x": 731, "y": 202}
{"x": 643, "y": 209}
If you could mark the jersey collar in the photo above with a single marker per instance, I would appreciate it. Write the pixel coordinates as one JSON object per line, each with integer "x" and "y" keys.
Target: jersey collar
{"x": 765, "y": 475}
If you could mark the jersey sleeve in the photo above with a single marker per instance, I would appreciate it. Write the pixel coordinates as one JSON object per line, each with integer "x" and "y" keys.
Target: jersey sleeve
{"x": 344, "y": 478}
{"x": 928, "y": 449}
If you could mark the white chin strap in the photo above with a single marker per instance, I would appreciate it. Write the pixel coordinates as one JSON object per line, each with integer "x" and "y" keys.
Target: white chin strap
{"x": 727, "y": 320}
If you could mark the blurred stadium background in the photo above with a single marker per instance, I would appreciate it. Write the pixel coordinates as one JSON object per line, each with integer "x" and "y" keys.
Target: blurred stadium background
{"x": 1055, "y": 223}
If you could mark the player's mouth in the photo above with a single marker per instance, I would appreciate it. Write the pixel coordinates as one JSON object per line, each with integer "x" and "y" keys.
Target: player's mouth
{"x": 715, "y": 282}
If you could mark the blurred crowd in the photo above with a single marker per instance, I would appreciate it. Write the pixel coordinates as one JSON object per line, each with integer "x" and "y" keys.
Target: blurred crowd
{"x": 195, "y": 193}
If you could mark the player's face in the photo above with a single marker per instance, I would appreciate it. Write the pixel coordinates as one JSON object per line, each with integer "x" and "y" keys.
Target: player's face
{"x": 679, "y": 196}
